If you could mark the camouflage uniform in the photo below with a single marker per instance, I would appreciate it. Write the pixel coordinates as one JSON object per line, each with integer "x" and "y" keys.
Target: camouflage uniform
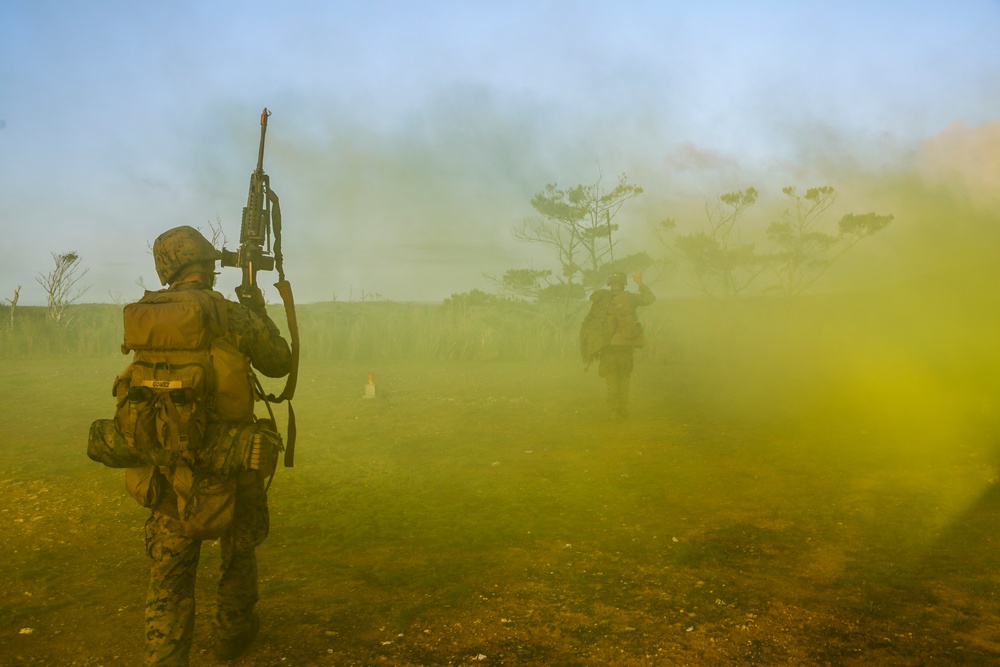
{"x": 616, "y": 358}
{"x": 170, "y": 599}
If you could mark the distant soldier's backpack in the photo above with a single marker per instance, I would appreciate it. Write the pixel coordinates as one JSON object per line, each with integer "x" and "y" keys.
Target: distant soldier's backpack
{"x": 610, "y": 321}
{"x": 623, "y": 324}
{"x": 185, "y": 372}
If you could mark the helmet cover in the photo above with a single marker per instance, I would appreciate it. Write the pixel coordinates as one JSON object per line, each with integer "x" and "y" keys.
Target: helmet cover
{"x": 176, "y": 248}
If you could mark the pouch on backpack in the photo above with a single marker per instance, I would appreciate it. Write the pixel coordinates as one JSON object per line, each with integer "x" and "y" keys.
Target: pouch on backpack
{"x": 206, "y": 505}
{"x": 145, "y": 484}
{"x": 161, "y": 404}
{"x": 106, "y": 445}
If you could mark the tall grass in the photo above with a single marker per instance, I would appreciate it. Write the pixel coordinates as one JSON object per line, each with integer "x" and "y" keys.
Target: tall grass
{"x": 342, "y": 331}
{"x": 454, "y": 330}
{"x": 84, "y": 330}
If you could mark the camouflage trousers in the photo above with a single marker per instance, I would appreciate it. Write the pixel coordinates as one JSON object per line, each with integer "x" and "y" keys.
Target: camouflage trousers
{"x": 616, "y": 369}
{"x": 170, "y": 599}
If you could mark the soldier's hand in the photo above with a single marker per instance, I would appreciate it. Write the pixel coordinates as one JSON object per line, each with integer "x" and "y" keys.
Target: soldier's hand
{"x": 637, "y": 277}
{"x": 252, "y": 299}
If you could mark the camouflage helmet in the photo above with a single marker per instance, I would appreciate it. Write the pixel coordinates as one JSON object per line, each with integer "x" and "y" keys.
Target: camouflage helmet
{"x": 617, "y": 278}
{"x": 176, "y": 248}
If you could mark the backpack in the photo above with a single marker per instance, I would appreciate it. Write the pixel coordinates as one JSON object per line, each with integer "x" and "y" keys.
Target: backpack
{"x": 622, "y": 321}
{"x": 185, "y": 372}
{"x": 610, "y": 321}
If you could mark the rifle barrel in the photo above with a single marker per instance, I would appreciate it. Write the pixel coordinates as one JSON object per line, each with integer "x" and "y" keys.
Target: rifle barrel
{"x": 263, "y": 130}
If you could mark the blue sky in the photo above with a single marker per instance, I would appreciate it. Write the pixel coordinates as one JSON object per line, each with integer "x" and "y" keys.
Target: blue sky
{"x": 407, "y": 138}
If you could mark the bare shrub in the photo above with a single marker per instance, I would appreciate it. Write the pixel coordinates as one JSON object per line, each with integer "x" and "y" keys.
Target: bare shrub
{"x": 12, "y": 304}
{"x": 60, "y": 284}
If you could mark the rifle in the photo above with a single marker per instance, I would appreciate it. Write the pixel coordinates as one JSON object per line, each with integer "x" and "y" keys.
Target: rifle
{"x": 261, "y": 220}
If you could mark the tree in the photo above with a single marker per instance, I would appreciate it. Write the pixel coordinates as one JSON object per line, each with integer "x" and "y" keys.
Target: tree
{"x": 721, "y": 263}
{"x": 60, "y": 284}
{"x": 805, "y": 252}
{"x": 578, "y": 224}
{"x": 525, "y": 282}
{"x": 626, "y": 264}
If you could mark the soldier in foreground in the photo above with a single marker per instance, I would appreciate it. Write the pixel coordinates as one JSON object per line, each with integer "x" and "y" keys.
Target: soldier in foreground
{"x": 611, "y": 332}
{"x": 195, "y": 453}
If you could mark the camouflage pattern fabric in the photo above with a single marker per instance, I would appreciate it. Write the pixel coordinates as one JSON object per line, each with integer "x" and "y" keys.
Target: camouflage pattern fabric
{"x": 226, "y": 448}
{"x": 107, "y": 445}
{"x": 178, "y": 247}
{"x": 170, "y": 596}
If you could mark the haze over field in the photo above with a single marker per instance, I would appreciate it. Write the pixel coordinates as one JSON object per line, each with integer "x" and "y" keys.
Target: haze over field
{"x": 801, "y": 481}
{"x": 407, "y": 139}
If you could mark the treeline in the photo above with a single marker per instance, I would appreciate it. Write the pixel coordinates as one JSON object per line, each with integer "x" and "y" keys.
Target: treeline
{"x": 479, "y": 328}
{"x": 466, "y": 327}
{"x": 919, "y": 325}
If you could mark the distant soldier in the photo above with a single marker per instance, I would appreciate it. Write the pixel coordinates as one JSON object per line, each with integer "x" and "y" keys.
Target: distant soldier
{"x": 611, "y": 332}
{"x": 195, "y": 453}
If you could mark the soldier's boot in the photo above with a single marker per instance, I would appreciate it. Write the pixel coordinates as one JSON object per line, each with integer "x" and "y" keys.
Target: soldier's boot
{"x": 234, "y": 647}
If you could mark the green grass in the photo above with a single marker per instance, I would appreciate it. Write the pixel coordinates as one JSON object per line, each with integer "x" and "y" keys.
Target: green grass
{"x": 772, "y": 500}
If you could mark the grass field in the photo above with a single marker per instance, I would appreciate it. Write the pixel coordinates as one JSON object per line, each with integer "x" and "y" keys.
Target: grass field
{"x": 748, "y": 513}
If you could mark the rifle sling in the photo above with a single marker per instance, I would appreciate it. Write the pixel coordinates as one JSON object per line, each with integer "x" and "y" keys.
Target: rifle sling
{"x": 285, "y": 290}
